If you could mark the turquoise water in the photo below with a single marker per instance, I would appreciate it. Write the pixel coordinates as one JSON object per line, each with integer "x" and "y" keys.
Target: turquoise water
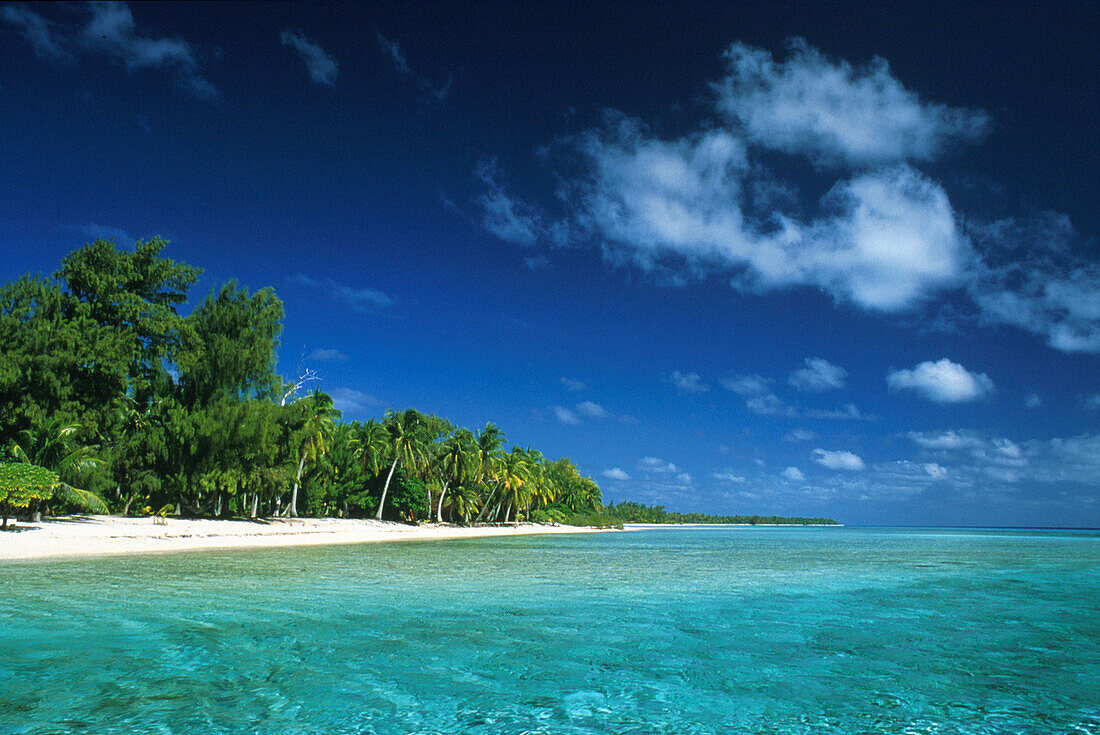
{"x": 662, "y": 631}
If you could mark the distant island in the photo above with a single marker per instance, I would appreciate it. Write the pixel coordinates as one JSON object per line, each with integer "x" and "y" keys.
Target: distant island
{"x": 111, "y": 401}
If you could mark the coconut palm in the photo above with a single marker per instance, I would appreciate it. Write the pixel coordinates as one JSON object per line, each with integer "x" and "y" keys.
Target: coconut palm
{"x": 488, "y": 454}
{"x": 455, "y": 462}
{"x": 408, "y": 443}
{"x": 319, "y": 423}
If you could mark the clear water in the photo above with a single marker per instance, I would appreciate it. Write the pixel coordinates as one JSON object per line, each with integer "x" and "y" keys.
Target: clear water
{"x": 662, "y": 631}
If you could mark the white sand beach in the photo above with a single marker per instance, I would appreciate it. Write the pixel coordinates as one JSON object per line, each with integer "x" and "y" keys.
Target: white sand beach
{"x": 81, "y": 536}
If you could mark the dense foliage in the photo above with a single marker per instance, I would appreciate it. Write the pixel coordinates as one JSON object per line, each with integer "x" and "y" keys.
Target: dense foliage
{"x": 111, "y": 399}
{"x": 631, "y": 512}
{"x": 106, "y": 386}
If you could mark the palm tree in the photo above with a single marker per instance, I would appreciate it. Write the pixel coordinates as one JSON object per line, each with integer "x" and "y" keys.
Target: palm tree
{"x": 320, "y": 422}
{"x": 56, "y": 447}
{"x": 455, "y": 463}
{"x": 488, "y": 453}
{"x": 513, "y": 479}
{"x": 407, "y": 446}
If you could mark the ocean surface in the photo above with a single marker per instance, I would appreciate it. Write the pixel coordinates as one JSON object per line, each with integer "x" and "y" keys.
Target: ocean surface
{"x": 702, "y": 630}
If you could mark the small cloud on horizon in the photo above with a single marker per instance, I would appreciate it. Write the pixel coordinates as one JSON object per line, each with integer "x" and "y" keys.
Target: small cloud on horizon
{"x": 688, "y": 382}
{"x": 328, "y": 355}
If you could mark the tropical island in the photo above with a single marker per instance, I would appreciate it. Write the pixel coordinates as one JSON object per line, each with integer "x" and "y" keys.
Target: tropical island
{"x": 113, "y": 402}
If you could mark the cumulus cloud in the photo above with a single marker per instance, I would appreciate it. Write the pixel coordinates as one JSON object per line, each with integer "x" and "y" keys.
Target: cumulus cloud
{"x": 793, "y": 474}
{"x": 328, "y": 355}
{"x": 572, "y": 384}
{"x": 885, "y": 237}
{"x": 688, "y": 382}
{"x": 392, "y": 50}
{"x": 727, "y": 476}
{"x": 565, "y": 415}
{"x": 1033, "y": 401}
{"x": 946, "y": 439}
{"x": 839, "y": 460}
{"x": 656, "y": 464}
{"x": 110, "y": 30}
{"x": 935, "y": 471}
{"x": 616, "y": 474}
{"x": 592, "y": 410}
{"x": 942, "y": 382}
{"x": 833, "y": 112}
{"x": 1029, "y": 277}
{"x": 818, "y": 376}
{"x": 322, "y": 67}
{"x": 353, "y": 402}
{"x": 1091, "y": 402}
{"x": 800, "y": 435}
{"x": 761, "y": 400}
{"x": 885, "y": 240}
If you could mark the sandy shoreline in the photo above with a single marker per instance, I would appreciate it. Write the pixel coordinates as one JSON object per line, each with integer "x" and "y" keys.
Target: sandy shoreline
{"x": 86, "y": 536}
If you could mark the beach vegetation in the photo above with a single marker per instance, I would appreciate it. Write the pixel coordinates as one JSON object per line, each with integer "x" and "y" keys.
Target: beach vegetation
{"x": 107, "y": 385}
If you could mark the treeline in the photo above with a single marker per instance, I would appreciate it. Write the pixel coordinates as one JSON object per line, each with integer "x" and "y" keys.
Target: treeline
{"x": 106, "y": 387}
{"x": 632, "y": 512}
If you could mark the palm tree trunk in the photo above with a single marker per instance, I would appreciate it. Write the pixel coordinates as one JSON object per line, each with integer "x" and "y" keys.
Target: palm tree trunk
{"x": 292, "y": 509}
{"x": 485, "y": 507}
{"x": 507, "y": 512}
{"x": 439, "y": 509}
{"x": 255, "y": 504}
{"x": 386, "y": 489}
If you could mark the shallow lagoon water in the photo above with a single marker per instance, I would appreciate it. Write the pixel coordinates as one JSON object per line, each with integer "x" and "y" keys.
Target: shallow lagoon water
{"x": 701, "y": 630}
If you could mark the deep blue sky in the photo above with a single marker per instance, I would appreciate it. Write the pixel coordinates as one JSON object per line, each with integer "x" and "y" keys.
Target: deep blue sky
{"x": 814, "y": 259}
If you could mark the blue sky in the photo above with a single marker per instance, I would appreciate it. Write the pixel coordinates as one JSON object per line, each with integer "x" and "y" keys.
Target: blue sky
{"x": 741, "y": 258}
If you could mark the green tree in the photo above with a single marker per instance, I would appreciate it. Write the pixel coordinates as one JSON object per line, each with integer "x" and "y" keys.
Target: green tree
{"x": 317, "y": 421}
{"x": 21, "y": 484}
{"x": 455, "y": 462}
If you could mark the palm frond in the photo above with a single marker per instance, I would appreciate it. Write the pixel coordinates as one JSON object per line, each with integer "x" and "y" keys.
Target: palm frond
{"x": 82, "y": 499}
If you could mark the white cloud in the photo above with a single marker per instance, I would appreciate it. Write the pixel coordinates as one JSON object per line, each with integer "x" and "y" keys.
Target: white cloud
{"x": 833, "y": 112}
{"x": 793, "y": 474}
{"x": 949, "y": 440}
{"x": 537, "y": 263}
{"x": 111, "y": 30}
{"x": 1034, "y": 401}
{"x": 655, "y": 464}
{"x": 322, "y": 67}
{"x": 92, "y": 231}
{"x": 727, "y": 476}
{"x": 392, "y": 50}
{"x": 746, "y": 385}
{"x": 818, "y": 376}
{"x": 760, "y": 400}
{"x": 839, "y": 460}
{"x": 39, "y": 32}
{"x": 353, "y": 402}
{"x": 572, "y": 384}
{"x": 935, "y": 471}
{"x": 328, "y": 355}
{"x": 504, "y": 216}
{"x": 800, "y": 435}
{"x": 592, "y": 410}
{"x": 360, "y": 298}
{"x": 688, "y": 382}
{"x": 1092, "y": 402}
{"x": 885, "y": 238}
{"x": 616, "y": 474}
{"x": 565, "y": 415}
{"x": 1030, "y": 278}
{"x": 942, "y": 382}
